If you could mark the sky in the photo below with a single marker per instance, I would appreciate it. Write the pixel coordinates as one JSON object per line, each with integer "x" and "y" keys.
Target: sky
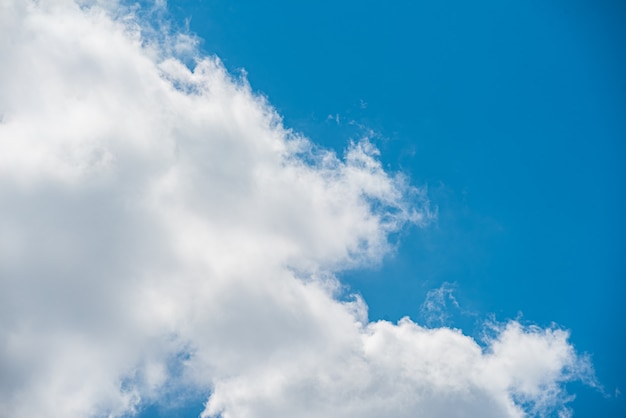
{"x": 346, "y": 209}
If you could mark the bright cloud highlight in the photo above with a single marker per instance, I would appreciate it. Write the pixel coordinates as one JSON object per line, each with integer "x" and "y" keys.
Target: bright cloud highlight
{"x": 162, "y": 232}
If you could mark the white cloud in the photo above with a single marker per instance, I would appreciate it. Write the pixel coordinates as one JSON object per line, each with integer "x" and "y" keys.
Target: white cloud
{"x": 435, "y": 308}
{"x": 162, "y": 231}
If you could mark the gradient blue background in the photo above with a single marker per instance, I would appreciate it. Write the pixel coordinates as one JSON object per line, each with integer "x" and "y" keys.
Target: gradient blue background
{"x": 513, "y": 113}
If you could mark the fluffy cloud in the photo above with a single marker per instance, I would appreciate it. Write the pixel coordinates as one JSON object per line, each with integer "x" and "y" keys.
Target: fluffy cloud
{"x": 162, "y": 231}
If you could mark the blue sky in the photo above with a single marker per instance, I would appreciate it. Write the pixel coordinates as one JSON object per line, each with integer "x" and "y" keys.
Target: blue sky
{"x": 512, "y": 113}
{"x": 266, "y": 209}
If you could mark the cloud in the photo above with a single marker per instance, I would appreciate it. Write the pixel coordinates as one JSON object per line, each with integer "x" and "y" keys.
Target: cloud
{"x": 435, "y": 309}
{"x": 163, "y": 232}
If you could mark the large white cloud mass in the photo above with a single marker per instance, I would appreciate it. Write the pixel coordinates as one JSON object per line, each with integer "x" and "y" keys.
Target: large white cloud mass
{"x": 161, "y": 232}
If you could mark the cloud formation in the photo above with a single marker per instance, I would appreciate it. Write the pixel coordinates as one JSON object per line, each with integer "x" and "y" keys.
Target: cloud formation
{"x": 163, "y": 232}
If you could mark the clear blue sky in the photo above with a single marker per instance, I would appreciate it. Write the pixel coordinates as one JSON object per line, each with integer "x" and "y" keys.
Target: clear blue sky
{"x": 512, "y": 113}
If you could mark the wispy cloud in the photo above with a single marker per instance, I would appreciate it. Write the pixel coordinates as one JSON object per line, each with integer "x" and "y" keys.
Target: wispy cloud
{"x": 162, "y": 231}
{"x": 436, "y": 308}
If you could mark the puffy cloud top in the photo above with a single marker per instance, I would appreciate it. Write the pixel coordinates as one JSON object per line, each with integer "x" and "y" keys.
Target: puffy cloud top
{"x": 163, "y": 232}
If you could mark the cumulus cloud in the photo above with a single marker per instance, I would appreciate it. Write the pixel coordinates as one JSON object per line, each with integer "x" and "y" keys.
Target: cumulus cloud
{"x": 163, "y": 232}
